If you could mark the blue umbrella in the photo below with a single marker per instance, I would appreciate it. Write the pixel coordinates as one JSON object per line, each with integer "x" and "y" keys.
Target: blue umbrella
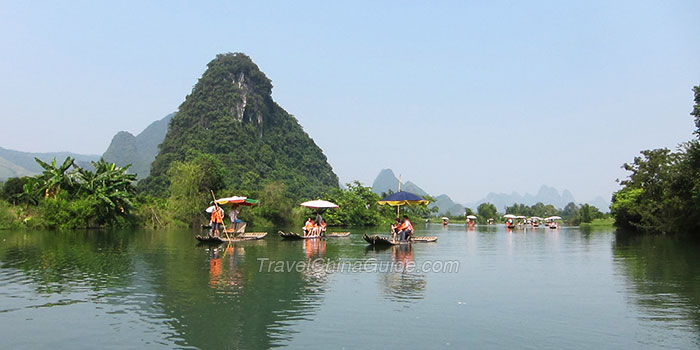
{"x": 403, "y": 198}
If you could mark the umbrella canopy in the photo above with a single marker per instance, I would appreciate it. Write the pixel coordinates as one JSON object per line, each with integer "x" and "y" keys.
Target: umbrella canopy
{"x": 317, "y": 204}
{"x": 509, "y": 216}
{"x": 554, "y": 218}
{"x": 445, "y": 218}
{"x": 471, "y": 216}
{"x": 520, "y": 217}
{"x": 403, "y": 198}
{"x": 536, "y": 218}
{"x": 237, "y": 200}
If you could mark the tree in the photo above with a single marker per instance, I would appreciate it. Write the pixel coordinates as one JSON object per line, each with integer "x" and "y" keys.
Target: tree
{"x": 110, "y": 188}
{"x": 662, "y": 192}
{"x": 357, "y": 207}
{"x": 570, "y": 213}
{"x": 190, "y": 186}
{"x": 54, "y": 178}
{"x": 13, "y": 189}
{"x": 487, "y": 211}
{"x": 696, "y": 111}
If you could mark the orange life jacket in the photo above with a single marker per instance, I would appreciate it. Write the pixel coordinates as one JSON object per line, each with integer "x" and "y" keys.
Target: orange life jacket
{"x": 309, "y": 225}
{"x": 217, "y": 216}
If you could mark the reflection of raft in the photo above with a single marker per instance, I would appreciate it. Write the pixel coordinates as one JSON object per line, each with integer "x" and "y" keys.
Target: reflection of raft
{"x": 379, "y": 240}
{"x": 510, "y": 226}
{"x": 294, "y": 236}
{"x": 248, "y": 236}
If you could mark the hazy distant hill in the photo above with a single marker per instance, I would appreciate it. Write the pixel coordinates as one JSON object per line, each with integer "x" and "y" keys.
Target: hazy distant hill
{"x": 386, "y": 180}
{"x": 546, "y": 194}
{"x": 17, "y": 163}
{"x": 448, "y": 206}
{"x": 139, "y": 150}
{"x": 600, "y": 203}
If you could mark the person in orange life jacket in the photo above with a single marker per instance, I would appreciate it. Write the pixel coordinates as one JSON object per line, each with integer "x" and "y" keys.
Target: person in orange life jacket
{"x": 406, "y": 229}
{"x": 308, "y": 226}
{"x": 217, "y": 221}
{"x": 323, "y": 226}
{"x": 395, "y": 228}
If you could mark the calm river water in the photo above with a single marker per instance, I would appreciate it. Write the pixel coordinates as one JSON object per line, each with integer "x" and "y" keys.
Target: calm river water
{"x": 534, "y": 289}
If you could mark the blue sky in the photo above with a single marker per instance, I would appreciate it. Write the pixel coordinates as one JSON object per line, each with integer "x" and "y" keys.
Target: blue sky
{"x": 460, "y": 97}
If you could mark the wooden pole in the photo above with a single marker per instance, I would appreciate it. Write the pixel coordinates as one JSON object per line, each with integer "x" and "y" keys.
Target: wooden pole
{"x": 398, "y": 207}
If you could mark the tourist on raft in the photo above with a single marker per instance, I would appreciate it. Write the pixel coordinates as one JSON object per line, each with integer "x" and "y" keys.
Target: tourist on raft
{"x": 406, "y": 229}
{"x": 308, "y": 226}
{"x": 395, "y": 228}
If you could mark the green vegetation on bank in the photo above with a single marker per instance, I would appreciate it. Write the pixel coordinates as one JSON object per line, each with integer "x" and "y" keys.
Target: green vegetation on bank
{"x": 67, "y": 196}
{"x": 606, "y": 222}
{"x": 662, "y": 193}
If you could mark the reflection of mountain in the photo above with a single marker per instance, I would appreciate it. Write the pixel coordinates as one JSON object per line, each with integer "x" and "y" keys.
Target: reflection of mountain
{"x": 52, "y": 260}
{"x": 220, "y": 300}
{"x": 663, "y": 270}
{"x": 159, "y": 288}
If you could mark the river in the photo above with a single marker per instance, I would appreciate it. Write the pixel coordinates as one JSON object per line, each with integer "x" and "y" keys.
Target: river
{"x": 482, "y": 288}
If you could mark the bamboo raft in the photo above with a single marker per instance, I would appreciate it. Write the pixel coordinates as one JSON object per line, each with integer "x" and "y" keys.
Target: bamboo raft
{"x": 296, "y": 236}
{"x": 248, "y": 236}
{"x": 379, "y": 240}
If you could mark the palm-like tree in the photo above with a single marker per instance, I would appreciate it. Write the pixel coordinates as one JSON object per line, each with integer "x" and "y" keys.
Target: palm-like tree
{"x": 56, "y": 178}
{"x": 110, "y": 186}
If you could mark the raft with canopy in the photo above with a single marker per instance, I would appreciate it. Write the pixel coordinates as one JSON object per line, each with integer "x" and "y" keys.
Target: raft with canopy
{"x": 397, "y": 200}
{"x": 317, "y": 204}
{"x": 510, "y": 216}
{"x": 236, "y": 231}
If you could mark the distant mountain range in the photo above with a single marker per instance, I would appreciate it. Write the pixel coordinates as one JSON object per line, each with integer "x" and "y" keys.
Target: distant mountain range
{"x": 125, "y": 148}
{"x": 386, "y": 180}
{"x": 139, "y": 150}
{"x": 17, "y": 163}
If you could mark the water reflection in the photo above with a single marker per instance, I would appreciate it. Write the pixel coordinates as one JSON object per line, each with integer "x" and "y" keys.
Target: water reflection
{"x": 663, "y": 274}
{"x": 553, "y": 288}
{"x": 397, "y": 281}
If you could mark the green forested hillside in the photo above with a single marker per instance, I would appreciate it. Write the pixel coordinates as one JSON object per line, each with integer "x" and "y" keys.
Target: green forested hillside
{"x": 231, "y": 119}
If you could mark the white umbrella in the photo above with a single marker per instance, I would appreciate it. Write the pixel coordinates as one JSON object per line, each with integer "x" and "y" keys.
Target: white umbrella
{"x": 554, "y": 218}
{"x": 471, "y": 217}
{"x": 536, "y": 218}
{"x": 520, "y": 217}
{"x": 210, "y": 209}
{"x": 317, "y": 204}
{"x": 230, "y": 199}
{"x": 509, "y": 216}
{"x": 445, "y": 218}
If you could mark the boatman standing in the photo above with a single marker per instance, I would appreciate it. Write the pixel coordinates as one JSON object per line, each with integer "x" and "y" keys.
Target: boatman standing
{"x": 217, "y": 221}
